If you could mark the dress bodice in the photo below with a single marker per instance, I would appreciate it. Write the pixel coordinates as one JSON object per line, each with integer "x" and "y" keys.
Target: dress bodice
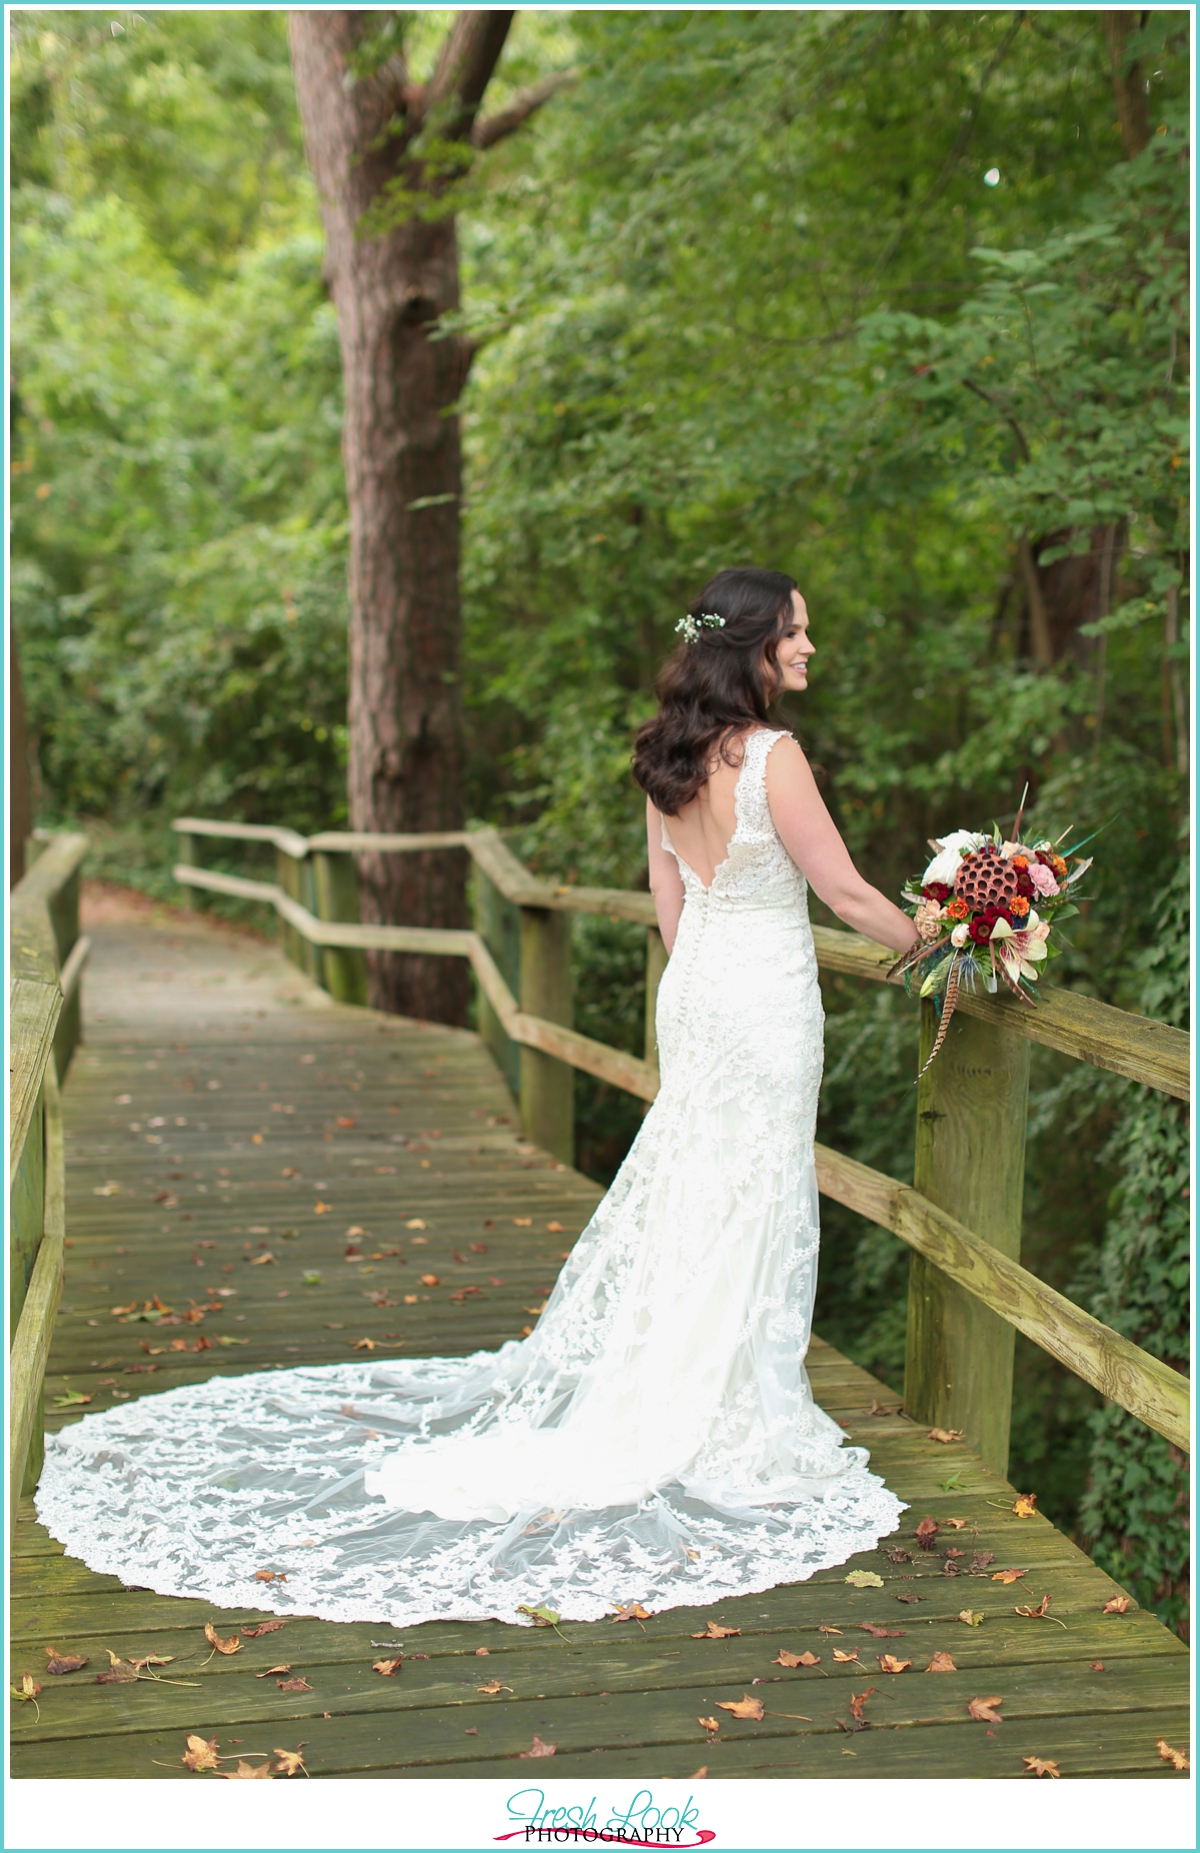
{"x": 757, "y": 869}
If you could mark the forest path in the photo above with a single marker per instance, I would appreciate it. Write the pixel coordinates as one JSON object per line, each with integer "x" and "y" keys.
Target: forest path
{"x": 221, "y": 1110}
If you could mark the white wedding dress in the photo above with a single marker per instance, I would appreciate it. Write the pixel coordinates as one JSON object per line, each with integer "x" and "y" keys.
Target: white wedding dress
{"x": 655, "y": 1440}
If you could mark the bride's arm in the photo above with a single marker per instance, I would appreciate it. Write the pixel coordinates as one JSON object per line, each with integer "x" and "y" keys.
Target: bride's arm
{"x": 666, "y": 883}
{"x": 812, "y": 840}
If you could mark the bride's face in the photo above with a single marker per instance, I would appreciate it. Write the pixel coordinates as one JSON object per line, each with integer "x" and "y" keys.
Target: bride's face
{"x": 794, "y": 650}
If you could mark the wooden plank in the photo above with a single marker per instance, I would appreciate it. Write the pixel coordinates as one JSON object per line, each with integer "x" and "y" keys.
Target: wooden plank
{"x": 336, "y": 881}
{"x": 343, "y": 840}
{"x": 492, "y": 854}
{"x": 1121, "y": 1371}
{"x": 547, "y": 1081}
{"x": 34, "y": 1008}
{"x": 289, "y": 841}
{"x": 31, "y": 1344}
{"x": 972, "y": 1108}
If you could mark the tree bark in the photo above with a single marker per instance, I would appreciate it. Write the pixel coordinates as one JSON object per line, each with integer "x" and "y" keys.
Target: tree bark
{"x": 1128, "y": 81}
{"x": 402, "y": 453}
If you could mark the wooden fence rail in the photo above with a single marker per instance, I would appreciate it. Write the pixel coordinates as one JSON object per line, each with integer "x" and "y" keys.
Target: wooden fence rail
{"x": 46, "y": 960}
{"x": 968, "y": 1293}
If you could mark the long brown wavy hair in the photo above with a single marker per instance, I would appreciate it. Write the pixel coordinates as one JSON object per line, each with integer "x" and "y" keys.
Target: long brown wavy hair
{"x": 713, "y": 688}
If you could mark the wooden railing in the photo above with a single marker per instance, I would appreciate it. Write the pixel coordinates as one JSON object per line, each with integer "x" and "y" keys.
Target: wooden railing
{"x": 47, "y": 956}
{"x": 961, "y": 1218}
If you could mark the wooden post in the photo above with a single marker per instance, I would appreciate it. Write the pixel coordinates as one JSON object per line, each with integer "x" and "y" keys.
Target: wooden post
{"x": 547, "y": 1090}
{"x": 656, "y": 965}
{"x": 189, "y": 855}
{"x": 498, "y": 924}
{"x": 335, "y": 877}
{"x": 295, "y": 946}
{"x": 970, "y": 1160}
{"x": 64, "y": 921}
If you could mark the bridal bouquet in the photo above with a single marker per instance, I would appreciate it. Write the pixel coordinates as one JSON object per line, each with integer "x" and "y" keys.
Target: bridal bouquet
{"x": 987, "y": 909}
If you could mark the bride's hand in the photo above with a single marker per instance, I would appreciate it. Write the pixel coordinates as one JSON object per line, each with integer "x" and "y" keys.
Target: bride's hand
{"x": 814, "y": 843}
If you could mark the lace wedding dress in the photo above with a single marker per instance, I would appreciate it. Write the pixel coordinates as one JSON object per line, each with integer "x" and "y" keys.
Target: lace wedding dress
{"x": 655, "y": 1440}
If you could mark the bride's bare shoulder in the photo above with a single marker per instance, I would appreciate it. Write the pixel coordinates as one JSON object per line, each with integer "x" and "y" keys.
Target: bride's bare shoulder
{"x": 787, "y": 768}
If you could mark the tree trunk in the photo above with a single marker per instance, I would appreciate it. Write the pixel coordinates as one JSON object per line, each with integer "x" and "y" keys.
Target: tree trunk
{"x": 1128, "y": 81}
{"x": 403, "y": 467}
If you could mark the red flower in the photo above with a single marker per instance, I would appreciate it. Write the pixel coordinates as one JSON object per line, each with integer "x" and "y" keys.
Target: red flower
{"x": 936, "y": 891}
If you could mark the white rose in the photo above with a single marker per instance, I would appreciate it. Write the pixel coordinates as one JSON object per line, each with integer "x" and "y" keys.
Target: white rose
{"x": 959, "y": 935}
{"x": 944, "y": 866}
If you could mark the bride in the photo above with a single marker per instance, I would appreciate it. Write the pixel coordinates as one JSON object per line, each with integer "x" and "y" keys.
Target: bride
{"x": 655, "y": 1440}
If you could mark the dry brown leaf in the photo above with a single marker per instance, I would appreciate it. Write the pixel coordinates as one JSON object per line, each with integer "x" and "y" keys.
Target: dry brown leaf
{"x": 231, "y": 1646}
{"x": 493, "y": 1687}
{"x": 858, "y": 1700}
{"x": 1008, "y": 1576}
{"x": 984, "y": 1710}
{"x": 698, "y": 1775}
{"x": 824, "y": 1628}
{"x": 523, "y": 1222}
{"x": 1035, "y": 1766}
{"x": 345, "y": 1123}
{"x": 63, "y": 1663}
{"x": 555, "y": 1228}
{"x": 880, "y": 1634}
{"x": 1035, "y": 1614}
{"x": 888, "y": 1663}
{"x": 941, "y": 1663}
{"x": 845, "y": 1658}
{"x": 1097, "y": 1666}
{"x": 431, "y": 1280}
{"x": 957, "y": 1524}
{"x": 272, "y": 1671}
{"x": 927, "y": 1531}
{"x": 877, "y": 1408}
{"x": 293, "y": 1685}
{"x": 898, "y": 1555}
{"x": 1026, "y": 1505}
{"x": 784, "y": 1658}
{"x": 945, "y": 1434}
{"x": 388, "y": 1668}
{"x": 261, "y": 1260}
{"x": 1178, "y": 1758}
{"x": 710, "y": 1724}
{"x": 200, "y": 1754}
{"x": 120, "y": 1673}
{"x": 632, "y": 1611}
{"x": 291, "y": 1763}
{"x": 1116, "y": 1605}
{"x": 538, "y": 1748}
{"x": 910, "y": 1598}
{"x": 247, "y": 1772}
{"x": 481, "y": 1653}
{"x": 972, "y": 1617}
{"x": 151, "y": 1660}
{"x": 745, "y": 1707}
{"x": 269, "y": 1576}
{"x": 713, "y": 1631}
{"x": 264, "y": 1627}
{"x": 981, "y": 1561}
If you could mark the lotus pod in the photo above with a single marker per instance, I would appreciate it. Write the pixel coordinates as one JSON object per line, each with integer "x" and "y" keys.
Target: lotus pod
{"x": 985, "y": 879}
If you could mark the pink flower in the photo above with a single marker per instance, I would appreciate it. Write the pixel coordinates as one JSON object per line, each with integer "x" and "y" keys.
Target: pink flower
{"x": 1022, "y": 951}
{"x": 1042, "y": 879}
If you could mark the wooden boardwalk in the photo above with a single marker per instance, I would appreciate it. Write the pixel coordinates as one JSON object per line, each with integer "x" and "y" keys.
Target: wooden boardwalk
{"x": 231, "y": 1133}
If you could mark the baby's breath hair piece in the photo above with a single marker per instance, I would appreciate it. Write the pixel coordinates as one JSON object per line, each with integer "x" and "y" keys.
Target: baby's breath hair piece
{"x": 690, "y": 626}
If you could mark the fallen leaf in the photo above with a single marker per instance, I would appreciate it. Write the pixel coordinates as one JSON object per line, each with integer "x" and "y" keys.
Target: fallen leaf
{"x": 535, "y": 1312}
{"x": 430, "y": 1280}
{"x": 1178, "y": 1758}
{"x": 414, "y": 1222}
{"x": 957, "y": 1524}
{"x": 1038, "y": 1613}
{"x": 984, "y": 1710}
{"x": 344, "y": 1122}
{"x": 151, "y": 1660}
{"x": 632, "y": 1612}
{"x": 784, "y": 1658}
{"x": 522, "y": 1222}
{"x": 945, "y": 1434}
{"x": 941, "y": 1663}
{"x": 364, "y": 1344}
{"x": 824, "y": 1628}
{"x": 982, "y": 1560}
{"x": 264, "y": 1627}
{"x": 269, "y": 1576}
{"x": 864, "y": 1579}
{"x": 261, "y": 1260}
{"x": 246, "y": 1772}
{"x": 844, "y": 1657}
{"x": 493, "y": 1687}
{"x": 1097, "y": 1666}
{"x": 71, "y": 1396}
{"x": 896, "y": 1555}
{"x": 880, "y": 1634}
{"x": 858, "y": 1700}
{"x": 63, "y": 1663}
{"x": 481, "y": 1653}
{"x": 555, "y": 1228}
{"x": 293, "y": 1685}
{"x": 200, "y": 1754}
{"x": 699, "y": 1774}
{"x": 1026, "y": 1505}
{"x": 231, "y": 1646}
{"x": 910, "y": 1598}
{"x": 538, "y": 1748}
{"x": 291, "y": 1763}
{"x": 1036, "y": 1767}
{"x": 927, "y": 1531}
{"x": 877, "y": 1408}
{"x": 745, "y": 1707}
{"x": 322, "y": 1209}
{"x": 1008, "y": 1576}
{"x": 951, "y": 1552}
{"x": 224, "y": 1339}
{"x": 1116, "y": 1605}
{"x": 272, "y": 1671}
{"x": 388, "y": 1668}
{"x": 972, "y": 1617}
{"x": 710, "y": 1724}
{"x": 120, "y": 1673}
{"x": 888, "y": 1663}
{"x": 27, "y": 1690}
{"x": 713, "y": 1631}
